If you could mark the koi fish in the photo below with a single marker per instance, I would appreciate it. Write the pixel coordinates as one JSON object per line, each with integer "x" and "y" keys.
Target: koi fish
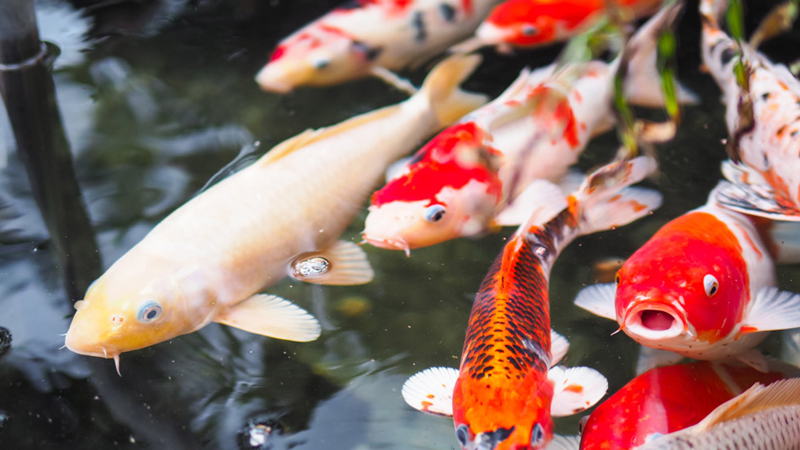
{"x": 534, "y": 23}
{"x": 668, "y": 399}
{"x": 702, "y": 287}
{"x": 761, "y": 418}
{"x": 476, "y": 173}
{"x": 208, "y": 260}
{"x": 763, "y": 120}
{"x": 508, "y": 387}
{"x": 369, "y": 37}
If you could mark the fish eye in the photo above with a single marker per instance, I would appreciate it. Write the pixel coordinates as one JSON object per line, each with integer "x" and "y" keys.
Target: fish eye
{"x": 529, "y": 30}
{"x": 711, "y": 284}
{"x": 462, "y": 434}
{"x": 149, "y": 312}
{"x": 320, "y": 63}
{"x": 434, "y": 213}
{"x": 617, "y": 278}
{"x": 537, "y": 436}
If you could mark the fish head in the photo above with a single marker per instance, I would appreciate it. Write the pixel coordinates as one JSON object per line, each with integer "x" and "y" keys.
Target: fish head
{"x": 449, "y": 189}
{"x": 682, "y": 289}
{"x": 317, "y": 55}
{"x": 519, "y": 23}
{"x": 494, "y": 414}
{"x": 118, "y": 315}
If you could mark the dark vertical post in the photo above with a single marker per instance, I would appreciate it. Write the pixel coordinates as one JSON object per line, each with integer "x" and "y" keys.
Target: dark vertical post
{"x": 29, "y": 95}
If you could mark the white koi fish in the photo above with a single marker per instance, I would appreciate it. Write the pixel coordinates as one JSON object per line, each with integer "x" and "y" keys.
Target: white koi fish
{"x": 369, "y": 37}
{"x": 209, "y": 260}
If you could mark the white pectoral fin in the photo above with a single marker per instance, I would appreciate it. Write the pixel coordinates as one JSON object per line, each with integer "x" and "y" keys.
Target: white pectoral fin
{"x": 392, "y": 79}
{"x": 272, "y": 316}
{"x": 772, "y": 309}
{"x": 540, "y": 202}
{"x": 561, "y": 442}
{"x": 343, "y": 263}
{"x": 431, "y": 391}
{"x": 599, "y": 299}
{"x": 558, "y": 347}
{"x": 755, "y": 359}
{"x": 754, "y": 199}
{"x": 653, "y": 357}
{"x": 575, "y": 389}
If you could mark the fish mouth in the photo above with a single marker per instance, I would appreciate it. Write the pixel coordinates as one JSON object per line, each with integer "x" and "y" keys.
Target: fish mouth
{"x": 269, "y": 82}
{"x": 387, "y": 243}
{"x": 653, "y": 322}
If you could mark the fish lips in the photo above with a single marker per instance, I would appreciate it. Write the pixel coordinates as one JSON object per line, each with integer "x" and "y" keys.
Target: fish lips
{"x": 653, "y": 321}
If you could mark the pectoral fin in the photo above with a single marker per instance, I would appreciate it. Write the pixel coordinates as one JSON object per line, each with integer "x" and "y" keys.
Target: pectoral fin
{"x": 575, "y": 389}
{"x": 772, "y": 309}
{"x": 599, "y": 299}
{"x": 431, "y": 391}
{"x": 272, "y": 316}
{"x": 558, "y": 347}
{"x": 653, "y": 357}
{"x": 560, "y": 442}
{"x": 748, "y": 193}
{"x": 540, "y": 202}
{"x": 754, "y": 359}
{"x": 341, "y": 264}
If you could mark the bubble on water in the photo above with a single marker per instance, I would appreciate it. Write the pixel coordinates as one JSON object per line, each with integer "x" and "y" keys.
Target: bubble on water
{"x": 259, "y": 433}
{"x": 5, "y": 341}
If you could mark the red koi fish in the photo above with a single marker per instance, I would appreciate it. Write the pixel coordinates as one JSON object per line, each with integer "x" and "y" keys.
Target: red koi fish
{"x": 508, "y": 387}
{"x": 667, "y": 399}
{"x": 763, "y": 121}
{"x": 703, "y": 287}
{"x": 476, "y": 174}
{"x": 535, "y": 23}
{"x": 369, "y": 37}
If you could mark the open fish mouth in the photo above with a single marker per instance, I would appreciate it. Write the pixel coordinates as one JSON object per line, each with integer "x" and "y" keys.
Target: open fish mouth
{"x": 389, "y": 244}
{"x": 653, "y": 322}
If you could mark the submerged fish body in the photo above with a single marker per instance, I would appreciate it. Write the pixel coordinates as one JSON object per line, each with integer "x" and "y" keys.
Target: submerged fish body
{"x": 508, "y": 388}
{"x": 350, "y": 42}
{"x": 761, "y": 418}
{"x": 209, "y": 259}
{"x": 703, "y": 287}
{"x": 534, "y": 23}
{"x": 477, "y": 173}
{"x": 763, "y": 121}
{"x": 668, "y": 399}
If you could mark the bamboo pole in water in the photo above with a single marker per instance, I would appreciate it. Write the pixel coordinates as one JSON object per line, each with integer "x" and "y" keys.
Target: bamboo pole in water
{"x": 29, "y": 94}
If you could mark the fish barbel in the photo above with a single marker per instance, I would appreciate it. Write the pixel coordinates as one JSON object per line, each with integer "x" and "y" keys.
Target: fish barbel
{"x": 508, "y": 387}
{"x": 209, "y": 259}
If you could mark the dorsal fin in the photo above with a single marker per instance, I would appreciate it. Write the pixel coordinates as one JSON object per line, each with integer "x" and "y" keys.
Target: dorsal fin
{"x": 778, "y": 394}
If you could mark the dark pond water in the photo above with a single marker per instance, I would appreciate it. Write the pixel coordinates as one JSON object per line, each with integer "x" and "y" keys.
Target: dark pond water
{"x": 159, "y": 101}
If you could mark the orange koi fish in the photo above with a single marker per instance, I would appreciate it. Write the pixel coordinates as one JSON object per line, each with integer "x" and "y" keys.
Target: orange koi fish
{"x": 763, "y": 121}
{"x": 702, "y": 287}
{"x": 668, "y": 399}
{"x": 535, "y": 23}
{"x": 476, "y": 174}
{"x": 508, "y": 388}
{"x": 369, "y": 37}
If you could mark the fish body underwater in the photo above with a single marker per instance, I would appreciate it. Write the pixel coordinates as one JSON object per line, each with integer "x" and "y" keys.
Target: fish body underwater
{"x": 477, "y": 173}
{"x": 355, "y": 40}
{"x": 671, "y": 398}
{"x": 703, "y": 287}
{"x": 508, "y": 387}
{"x": 762, "y": 120}
{"x": 209, "y": 259}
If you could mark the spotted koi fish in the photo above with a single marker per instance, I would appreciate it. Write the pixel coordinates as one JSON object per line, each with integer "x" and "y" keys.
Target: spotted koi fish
{"x": 763, "y": 120}
{"x": 369, "y": 37}
{"x": 702, "y": 287}
{"x": 508, "y": 387}
{"x": 477, "y": 173}
{"x": 535, "y": 23}
{"x": 682, "y": 394}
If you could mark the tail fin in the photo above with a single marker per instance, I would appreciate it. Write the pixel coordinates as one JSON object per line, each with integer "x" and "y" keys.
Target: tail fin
{"x": 441, "y": 90}
{"x": 605, "y": 201}
{"x": 643, "y": 82}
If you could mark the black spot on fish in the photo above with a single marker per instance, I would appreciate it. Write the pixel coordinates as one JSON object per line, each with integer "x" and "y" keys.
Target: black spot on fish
{"x": 727, "y": 55}
{"x": 419, "y": 26}
{"x": 794, "y": 133}
{"x": 765, "y": 96}
{"x": 448, "y": 12}
{"x": 781, "y": 130}
{"x": 714, "y": 46}
{"x": 353, "y": 4}
{"x": 370, "y": 53}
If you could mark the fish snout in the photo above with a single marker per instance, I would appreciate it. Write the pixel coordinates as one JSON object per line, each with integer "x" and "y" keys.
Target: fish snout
{"x": 490, "y": 34}
{"x": 653, "y": 321}
{"x": 281, "y": 77}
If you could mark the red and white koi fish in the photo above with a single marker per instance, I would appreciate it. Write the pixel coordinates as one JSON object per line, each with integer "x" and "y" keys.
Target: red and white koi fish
{"x": 209, "y": 260}
{"x": 763, "y": 121}
{"x": 476, "y": 173}
{"x": 703, "y": 287}
{"x": 508, "y": 387}
{"x": 534, "y": 23}
{"x": 369, "y": 37}
{"x": 761, "y": 418}
{"x": 667, "y": 399}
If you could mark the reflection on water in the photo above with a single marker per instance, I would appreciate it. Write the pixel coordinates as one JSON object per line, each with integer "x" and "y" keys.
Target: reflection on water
{"x": 150, "y": 120}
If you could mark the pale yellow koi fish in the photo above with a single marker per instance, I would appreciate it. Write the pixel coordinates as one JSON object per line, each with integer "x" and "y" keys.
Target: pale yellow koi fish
{"x": 209, "y": 260}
